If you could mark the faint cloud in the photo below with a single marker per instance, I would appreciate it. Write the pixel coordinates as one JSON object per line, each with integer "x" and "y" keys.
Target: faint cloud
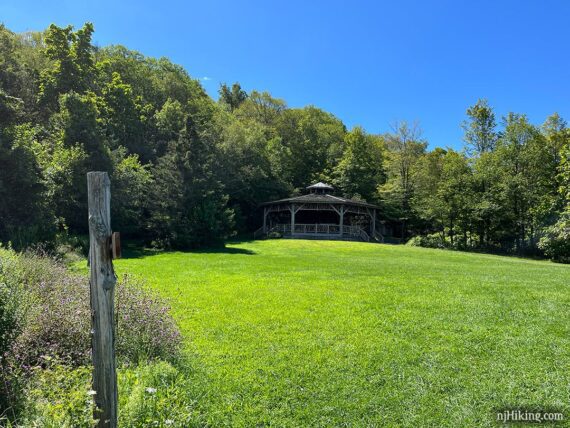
{"x": 205, "y": 78}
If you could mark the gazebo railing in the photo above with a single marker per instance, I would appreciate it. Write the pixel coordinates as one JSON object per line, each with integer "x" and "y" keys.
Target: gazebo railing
{"x": 320, "y": 229}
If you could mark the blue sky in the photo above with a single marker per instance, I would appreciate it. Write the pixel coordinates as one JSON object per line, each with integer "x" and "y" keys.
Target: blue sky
{"x": 368, "y": 63}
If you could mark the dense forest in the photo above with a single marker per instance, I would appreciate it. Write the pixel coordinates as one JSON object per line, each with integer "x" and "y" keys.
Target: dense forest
{"x": 189, "y": 171}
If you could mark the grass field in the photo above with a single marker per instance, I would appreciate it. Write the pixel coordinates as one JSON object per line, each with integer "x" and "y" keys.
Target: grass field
{"x": 321, "y": 333}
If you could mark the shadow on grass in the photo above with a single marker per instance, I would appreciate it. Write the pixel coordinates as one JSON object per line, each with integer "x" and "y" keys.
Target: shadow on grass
{"x": 132, "y": 251}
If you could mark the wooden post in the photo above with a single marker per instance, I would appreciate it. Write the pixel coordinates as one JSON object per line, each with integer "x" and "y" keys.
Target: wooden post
{"x": 341, "y": 219}
{"x": 102, "y": 288}
{"x": 374, "y": 223}
{"x": 292, "y": 219}
{"x": 264, "y": 219}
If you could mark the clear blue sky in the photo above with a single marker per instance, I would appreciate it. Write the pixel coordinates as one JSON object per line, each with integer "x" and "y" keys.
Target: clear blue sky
{"x": 369, "y": 63}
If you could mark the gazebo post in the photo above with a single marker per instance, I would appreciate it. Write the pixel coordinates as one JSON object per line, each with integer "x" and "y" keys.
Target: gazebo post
{"x": 341, "y": 219}
{"x": 374, "y": 222}
{"x": 292, "y": 219}
{"x": 264, "y": 219}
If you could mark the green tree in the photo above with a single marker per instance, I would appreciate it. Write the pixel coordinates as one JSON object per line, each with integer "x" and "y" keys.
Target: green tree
{"x": 309, "y": 146}
{"x": 262, "y": 108}
{"x": 526, "y": 179}
{"x": 123, "y": 118}
{"x": 360, "y": 172}
{"x": 426, "y": 206}
{"x": 556, "y": 240}
{"x": 24, "y": 214}
{"x": 405, "y": 149}
{"x": 246, "y": 169}
{"x": 194, "y": 211}
{"x": 232, "y": 98}
{"x": 130, "y": 181}
{"x": 480, "y": 135}
{"x": 71, "y": 56}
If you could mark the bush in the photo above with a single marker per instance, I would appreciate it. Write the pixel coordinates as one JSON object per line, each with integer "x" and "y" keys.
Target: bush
{"x": 45, "y": 317}
{"x": 145, "y": 328}
{"x": 59, "y": 321}
{"x": 556, "y": 242}
{"x": 12, "y": 313}
{"x": 429, "y": 241}
{"x": 12, "y": 309}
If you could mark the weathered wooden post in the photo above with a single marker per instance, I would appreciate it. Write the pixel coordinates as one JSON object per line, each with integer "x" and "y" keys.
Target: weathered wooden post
{"x": 102, "y": 289}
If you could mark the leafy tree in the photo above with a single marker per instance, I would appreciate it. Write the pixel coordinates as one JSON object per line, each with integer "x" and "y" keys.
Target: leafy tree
{"x": 455, "y": 192}
{"x": 490, "y": 219}
{"x": 232, "y": 98}
{"x": 360, "y": 172}
{"x": 524, "y": 162}
{"x": 170, "y": 120}
{"x": 130, "y": 181}
{"x": 480, "y": 135}
{"x": 405, "y": 149}
{"x": 309, "y": 146}
{"x": 556, "y": 240}
{"x": 195, "y": 212}
{"x": 24, "y": 217}
{"x": 122, "y": 117}
{"x": 262, "y": 108}
{"x": 429, "y": 172}
{"x": 183, "y": 166}
{"x": 246, "y": 169}
{"x": 79, "y": 120}
{"x": 72, "y": 63}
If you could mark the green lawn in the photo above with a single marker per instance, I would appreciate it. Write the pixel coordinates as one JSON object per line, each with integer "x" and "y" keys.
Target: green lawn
{"x": 321, "y": 333}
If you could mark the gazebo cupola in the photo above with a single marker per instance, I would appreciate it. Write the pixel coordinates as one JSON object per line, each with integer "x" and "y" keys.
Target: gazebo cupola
{"x": 320, "y": 214}
{"x": 320, "y": 188}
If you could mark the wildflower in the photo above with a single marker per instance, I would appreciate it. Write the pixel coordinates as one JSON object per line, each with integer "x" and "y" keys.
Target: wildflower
{"x": 150, "y": 390}
{"x": 168, "y": 422}
{"x": 91, "y": 392}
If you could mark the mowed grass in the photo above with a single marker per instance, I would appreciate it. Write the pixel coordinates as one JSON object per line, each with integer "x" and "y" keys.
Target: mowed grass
{"x": 321, "y": 333}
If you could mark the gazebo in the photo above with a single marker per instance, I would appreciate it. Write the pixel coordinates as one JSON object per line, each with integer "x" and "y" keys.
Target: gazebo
{"x": 319, "y": 214}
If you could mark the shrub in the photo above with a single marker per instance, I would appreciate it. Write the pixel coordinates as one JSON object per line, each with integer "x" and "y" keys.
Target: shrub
{"x": 59, "y": 321}
{"x": 145, "y": 328}
{"x": 429, "y": 241}
{"x": 45, "y": 317}
{"x": 11, "y": 299}
{"x": 12, "y": 313}
{"x": 556, "y": 242}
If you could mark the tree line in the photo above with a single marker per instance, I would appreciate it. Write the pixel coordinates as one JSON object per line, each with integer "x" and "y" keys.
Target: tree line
{"x": 190, "y": 171}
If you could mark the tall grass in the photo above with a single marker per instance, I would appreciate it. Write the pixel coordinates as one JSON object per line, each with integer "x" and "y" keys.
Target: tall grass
{"x": 45, "y": 326}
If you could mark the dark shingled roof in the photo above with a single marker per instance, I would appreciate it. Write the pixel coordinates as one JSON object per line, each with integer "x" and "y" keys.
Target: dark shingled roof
{"x": 314, "y": 198}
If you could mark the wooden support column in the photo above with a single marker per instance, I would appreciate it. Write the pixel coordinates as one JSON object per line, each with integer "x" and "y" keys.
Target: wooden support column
{"x": 264, "y": 219}
{"x": 292, "y": 219}
{"x": 102, "y": 288}
{"x": 374, "y": 222}
{"x": 341, "y": 219}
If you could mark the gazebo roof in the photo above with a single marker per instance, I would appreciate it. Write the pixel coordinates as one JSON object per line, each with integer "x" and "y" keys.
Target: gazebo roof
{"x": 320, "y": 185}
{"x": 315, "y": 198}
